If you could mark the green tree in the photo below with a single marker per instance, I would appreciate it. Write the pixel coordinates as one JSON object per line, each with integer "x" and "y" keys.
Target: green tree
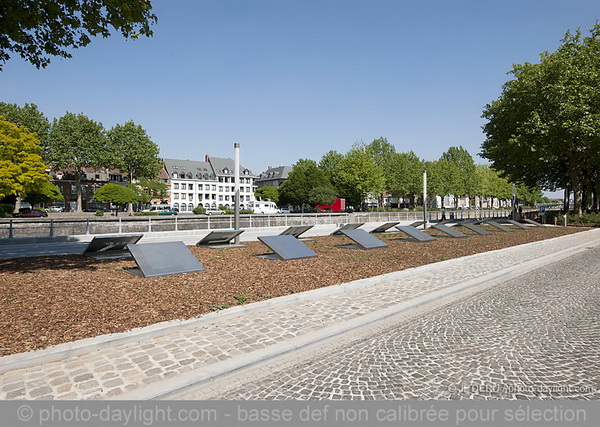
{"x": 405, "y": 177}
{"x": 74, "y": 143}
{"x": 133, "y": 152}
{"x": 383, "y": 152}
{"x": 45, "y": 193}
{"x": 321, "y": 196}
{"x": 39, "y": 29}
{"x": 267, "y": 193}
{"x": 359, "y": 175}
{"x": 305, "y": 176}
{"x": 459, "y": 168}
{"x": 29, "y": 116}
{"x": 150, "y": 189}
{"x": 116, "y": 195}
{"x": 544, "y": 129}
{"x": 330, "y": 165}
{"x": 21, "y": 166}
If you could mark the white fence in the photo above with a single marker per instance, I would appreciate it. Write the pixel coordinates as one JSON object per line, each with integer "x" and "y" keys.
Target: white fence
{"x": 18, "y": 228}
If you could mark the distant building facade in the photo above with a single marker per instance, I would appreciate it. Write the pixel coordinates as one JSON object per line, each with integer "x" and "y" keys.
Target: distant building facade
{"x": 273, "y": 177}
{"x": 209, "y": 183}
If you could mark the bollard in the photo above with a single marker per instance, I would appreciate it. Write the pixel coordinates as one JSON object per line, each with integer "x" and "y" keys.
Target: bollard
{"x": 149, "y": 225}
{"x": 51, "y": 228}
{"x": 10, "y": 229}
{"x": 565, "y": 220}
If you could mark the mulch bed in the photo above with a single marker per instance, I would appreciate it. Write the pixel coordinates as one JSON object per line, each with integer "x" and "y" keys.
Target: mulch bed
{"x": 46, "y": 301}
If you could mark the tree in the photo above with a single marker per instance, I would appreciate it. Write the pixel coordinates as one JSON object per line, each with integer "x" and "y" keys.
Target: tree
{"x": 267, "y": 193}
{"x": 116, "y": 194}
{"x": 321, "y": 196}
{"x": 544, "y": 129}
{"x": 21, "y": 166}
{"x": 74, "y": 143}
{"x": 29, "y": 116}
{"x": 133, "y": 152}
{"x": 150, "y": 189}
{"x": 359, "y": 175}
{"x": 405, "y": 178}
{"x": 459, "y": 168}
{"x": 382, "y": 152}
{"x": 39, "y": 29}
{"x": 46, "y": 192}
{"x": 305, "y": 176}
{"x": 330, "y": 165}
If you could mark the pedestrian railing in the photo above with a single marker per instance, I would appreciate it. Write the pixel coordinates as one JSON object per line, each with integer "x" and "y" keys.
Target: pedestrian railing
{"x": 54, "y": 227}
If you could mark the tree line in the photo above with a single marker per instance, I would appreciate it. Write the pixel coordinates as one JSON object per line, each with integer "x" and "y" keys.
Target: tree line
{"x": 375, "y": 169}
{"x": 544, "y": 129}
{"x": 30, "y": 143}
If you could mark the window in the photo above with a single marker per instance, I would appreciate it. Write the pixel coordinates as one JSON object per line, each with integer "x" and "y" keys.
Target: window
{"x": 174, "y": 175}
{"x": 176, "y": 195}
{"x": 183, "y": 207}
{"x": 220, "y": 188}
{"x": 214, "y": 188}
{"x": 191, "y": 196}
{"x": 220, "y": 198}
{"x": 199, "y": 187}
{"x": 176, "y": 186}
{"x": 227, "y": 198}
{"x": 214, "y": 197}
{"x": 182, "y": 196}
{"x": 190, "y": 207}
{"x": 175, "y": 205}
{"x": 207, "y": 196}
{"x": 190, "y": 186}
{"x": 183, "y": 186}
{"x": 220, "y": 179}
{"x": 96, "y": 176}
{"x": 73, "y": 189}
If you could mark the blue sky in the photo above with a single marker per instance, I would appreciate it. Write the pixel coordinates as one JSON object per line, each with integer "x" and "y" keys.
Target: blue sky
{"x": 291, "y": 79}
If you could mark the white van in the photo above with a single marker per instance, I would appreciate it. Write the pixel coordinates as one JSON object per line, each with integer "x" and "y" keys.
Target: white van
{"x": 260, "y": 207}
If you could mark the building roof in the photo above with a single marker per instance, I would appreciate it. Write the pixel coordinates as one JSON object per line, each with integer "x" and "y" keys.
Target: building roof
{"x": 191, "y": 169}
{"x": 280, "y": 172}
{"x": 226, "y": 167}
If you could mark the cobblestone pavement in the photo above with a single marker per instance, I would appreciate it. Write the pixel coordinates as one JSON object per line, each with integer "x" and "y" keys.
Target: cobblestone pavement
{"x": 534, "y": 337}
{"x": 126, "y": 369}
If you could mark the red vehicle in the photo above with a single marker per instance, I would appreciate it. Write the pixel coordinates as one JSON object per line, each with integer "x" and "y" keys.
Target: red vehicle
{"x": 338, "y": 205}
{"x": 31, "y": 213}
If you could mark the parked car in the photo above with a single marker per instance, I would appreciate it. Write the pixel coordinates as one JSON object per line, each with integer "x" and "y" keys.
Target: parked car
{"x": 56, "y": 209}
{"x": 31, "y": 213}
{"x": 212, "y": 211}
{"x": 162, "y": 210}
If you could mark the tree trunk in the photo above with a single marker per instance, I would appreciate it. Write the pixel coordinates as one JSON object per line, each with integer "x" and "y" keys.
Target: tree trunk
{"x": 17, "y": 204}
{"x": 79, "y": 207}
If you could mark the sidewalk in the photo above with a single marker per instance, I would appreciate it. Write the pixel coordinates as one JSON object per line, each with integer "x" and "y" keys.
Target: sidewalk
{"x": 164, "y": 360}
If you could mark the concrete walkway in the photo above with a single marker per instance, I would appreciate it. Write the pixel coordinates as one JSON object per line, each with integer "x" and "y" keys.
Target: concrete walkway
{"x": 167, "y": 359}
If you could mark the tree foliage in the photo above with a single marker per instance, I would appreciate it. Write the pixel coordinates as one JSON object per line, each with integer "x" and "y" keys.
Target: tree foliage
{"x": 116, "y": 194}
{"x": 150, "y": 189}
{"x": 359, "y": 175}
{"x": 74, "y": 143}
{"x": 39, "y": 29}
{"x": 29, "y": 116}
{"x": 133, "y": 152}
{"x": 305, "y": 176}
{"x": 544, "y": 129}
{"x": 321, "y": 196}
{"x": 21, "y": 167}
{"x": 267, "y": 193}
{"x": 46, "y": 192}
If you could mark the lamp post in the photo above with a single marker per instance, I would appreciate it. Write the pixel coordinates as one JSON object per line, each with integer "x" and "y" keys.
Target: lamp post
{"x": 236, "y": 177}
{"x": 425, "y": 199}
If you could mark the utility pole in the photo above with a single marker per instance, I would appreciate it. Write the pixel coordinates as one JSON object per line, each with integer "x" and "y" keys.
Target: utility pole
{"x": 425, "y": 199}
{"x": 236, "y": 177}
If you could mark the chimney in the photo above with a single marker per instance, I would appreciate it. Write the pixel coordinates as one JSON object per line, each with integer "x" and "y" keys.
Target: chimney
{"x": 206, "y": 158}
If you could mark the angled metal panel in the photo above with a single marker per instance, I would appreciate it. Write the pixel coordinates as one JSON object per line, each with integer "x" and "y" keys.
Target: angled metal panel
{"x": 220, "y": 239}
{"x": 449, "y": 231}
{"x": 532, "y": 222}
{"x": 363, "y": 239}
{"x": 113, "y": 246}
{"x": 296, "y": 230}
{"x": 518, "y": 224}
{"x": 287, "y": 247}
{"x": 163, "y": 259}
{"x": 383, "y": 227}
{"x": 475, "y": 228}
{"x": 415, "y": 233}
{"x": 498, "y": 226}
{"x": 350, "y": 226}
{"x": 417, "y": 224}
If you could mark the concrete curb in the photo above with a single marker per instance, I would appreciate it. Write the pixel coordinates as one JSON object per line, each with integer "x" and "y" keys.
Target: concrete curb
{"x": 171, "y": 387}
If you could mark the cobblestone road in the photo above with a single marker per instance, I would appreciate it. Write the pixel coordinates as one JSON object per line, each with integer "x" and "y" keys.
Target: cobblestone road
{"x": 534, "y": 337}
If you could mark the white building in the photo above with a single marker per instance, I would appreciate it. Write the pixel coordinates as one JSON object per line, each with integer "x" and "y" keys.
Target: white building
{"x": 210, "y": 183}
